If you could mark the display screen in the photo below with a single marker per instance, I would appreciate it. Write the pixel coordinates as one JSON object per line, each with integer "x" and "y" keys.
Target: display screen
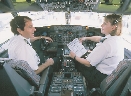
{"x": 67, "y": 75}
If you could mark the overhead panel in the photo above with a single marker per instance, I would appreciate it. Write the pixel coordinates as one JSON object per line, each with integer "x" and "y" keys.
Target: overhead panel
{"x": 68, "y": 5}
{"x": 100, "y": 6}
{"x": 26, "y": 5}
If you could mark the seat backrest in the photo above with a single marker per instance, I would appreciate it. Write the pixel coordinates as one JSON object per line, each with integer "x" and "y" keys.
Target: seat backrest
{"x": 113, "y": 84}
{"x": 11, "y": 83}
{"x": 18, "y": 79}
{"x": 127, "y": 89}
{"x": 127, "y": 54}
{"x": 23, "y": 68}
{"x": 4, "y": 53}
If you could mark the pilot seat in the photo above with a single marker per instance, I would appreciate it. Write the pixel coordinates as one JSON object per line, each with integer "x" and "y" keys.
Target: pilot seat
{"x": 18, "y": 79}
{"x": 116, "y": 82}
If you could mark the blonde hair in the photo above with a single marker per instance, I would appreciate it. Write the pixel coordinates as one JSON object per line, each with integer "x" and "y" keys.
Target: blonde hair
{"x": 117, "y": 21}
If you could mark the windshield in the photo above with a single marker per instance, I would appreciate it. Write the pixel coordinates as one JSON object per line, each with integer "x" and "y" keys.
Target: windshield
{"x": 5, "y": 32}
{"x": 45, "y": 18}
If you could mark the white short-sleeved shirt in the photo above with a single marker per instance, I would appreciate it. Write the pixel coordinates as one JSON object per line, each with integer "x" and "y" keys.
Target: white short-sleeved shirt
{"x": 20, "y": 50}
{"x": 107, "y": 55}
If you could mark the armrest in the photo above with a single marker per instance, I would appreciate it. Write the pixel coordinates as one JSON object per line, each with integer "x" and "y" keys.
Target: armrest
{"x": 44, "y": 76}
{"x": 43, "y": 82}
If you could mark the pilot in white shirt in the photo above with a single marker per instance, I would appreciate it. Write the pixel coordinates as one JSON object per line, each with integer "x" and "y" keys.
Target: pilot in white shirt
{"x": 20, "y": 47}
{"x": 106, "y": 55}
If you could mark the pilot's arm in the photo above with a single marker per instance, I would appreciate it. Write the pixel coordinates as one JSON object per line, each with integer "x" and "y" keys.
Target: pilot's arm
{"x": 93, "y": 38}
{"x": 80, "y": 60}
{"x": 41, "y": 37}
{"x": 48, "y": 62}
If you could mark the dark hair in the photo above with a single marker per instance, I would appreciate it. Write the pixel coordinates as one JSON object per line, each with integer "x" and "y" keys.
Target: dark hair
{"x": 18, "y": 22}
{"x": 115, "y": 19}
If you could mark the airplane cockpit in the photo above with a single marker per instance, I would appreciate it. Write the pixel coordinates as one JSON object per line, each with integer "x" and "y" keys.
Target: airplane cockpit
{"x": 63, "y": 21}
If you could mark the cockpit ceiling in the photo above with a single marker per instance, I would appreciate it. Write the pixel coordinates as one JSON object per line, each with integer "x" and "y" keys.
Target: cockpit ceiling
{"x": 100, "y": 6}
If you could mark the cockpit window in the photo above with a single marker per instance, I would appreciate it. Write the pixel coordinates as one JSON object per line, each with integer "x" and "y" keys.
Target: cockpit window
{"x": 126, "y": 33}
{"x": 45, "y": 18}
{"x": 5, "y": 32}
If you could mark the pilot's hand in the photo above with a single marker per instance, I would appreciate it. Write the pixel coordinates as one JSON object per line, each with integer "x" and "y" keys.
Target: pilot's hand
{"x": 82, "y": 39}
{"x": 72, "y": 54}
{"x": 48, "y": 39}
{"x": 50, "y": 61}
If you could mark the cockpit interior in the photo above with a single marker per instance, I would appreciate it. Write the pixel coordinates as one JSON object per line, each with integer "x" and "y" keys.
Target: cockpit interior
{"x": 62, "y": 21}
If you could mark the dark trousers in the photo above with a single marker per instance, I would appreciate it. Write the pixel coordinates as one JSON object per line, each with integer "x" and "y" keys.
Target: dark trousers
{"x": 55, "y": 67}
{"x": 57, "y": 64}
{"x": 91, "y": 74}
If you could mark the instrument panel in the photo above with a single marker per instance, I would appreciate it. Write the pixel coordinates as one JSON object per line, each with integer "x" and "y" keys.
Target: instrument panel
{"x": 63, "y": 34}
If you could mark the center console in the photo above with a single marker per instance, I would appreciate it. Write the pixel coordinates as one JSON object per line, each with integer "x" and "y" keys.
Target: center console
{"x": 67, "y": 82}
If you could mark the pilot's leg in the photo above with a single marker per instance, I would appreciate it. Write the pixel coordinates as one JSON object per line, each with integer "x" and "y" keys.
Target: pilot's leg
{"x": 55, "y": 67}
{"x": 57, "y": 64}
{"x": 91, "y": 74}
{"x": 94, "y": 77}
